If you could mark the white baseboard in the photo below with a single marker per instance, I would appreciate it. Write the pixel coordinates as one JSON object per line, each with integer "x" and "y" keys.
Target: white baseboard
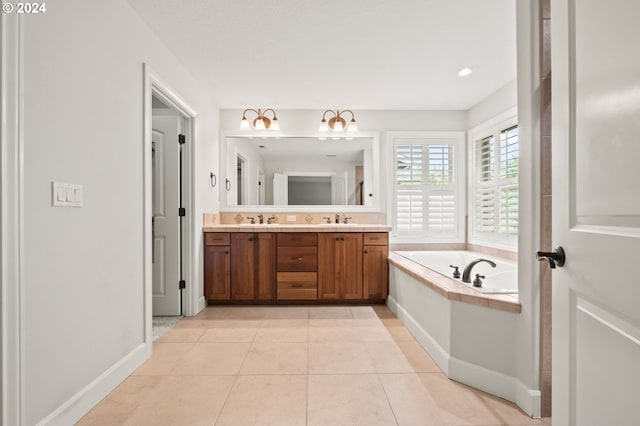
{"x": 433, "y": 348}
{"x": 79, "y": 404}
{"x": 200, "y": 305}
{"x": 487, "y": 380}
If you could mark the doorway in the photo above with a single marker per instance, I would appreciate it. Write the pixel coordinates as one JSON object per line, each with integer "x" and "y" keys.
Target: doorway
{"x": 166, "y": 223}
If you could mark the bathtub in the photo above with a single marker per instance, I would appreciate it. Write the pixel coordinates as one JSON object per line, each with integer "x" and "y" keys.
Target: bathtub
{"x": 503, "y": 279}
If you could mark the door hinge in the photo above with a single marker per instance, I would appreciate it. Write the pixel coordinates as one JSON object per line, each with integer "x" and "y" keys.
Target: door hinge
{"x": 181, "y": 212}
{"x": 182, "y": 284}
{"x": 182, "y": 139}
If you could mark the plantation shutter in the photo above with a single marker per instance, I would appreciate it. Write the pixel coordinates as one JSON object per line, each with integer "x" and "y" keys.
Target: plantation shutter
{"x": 426, "y": 199}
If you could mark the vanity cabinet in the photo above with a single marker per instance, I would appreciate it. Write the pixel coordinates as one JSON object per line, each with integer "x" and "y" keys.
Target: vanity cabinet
{"x": 340, "y": 266}
{"x": 217, "y": 266}
{"x": 253, "y": 266}
{"x": 272, "y": 267}
{"x": 375, "y": 267}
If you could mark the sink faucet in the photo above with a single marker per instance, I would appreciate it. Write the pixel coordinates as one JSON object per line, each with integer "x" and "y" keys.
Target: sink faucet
{"x": 337, "y": 217}
{"x": 271, "y": 219}
{"x": 467, "y": 269}
{"x": 261, "y": 218}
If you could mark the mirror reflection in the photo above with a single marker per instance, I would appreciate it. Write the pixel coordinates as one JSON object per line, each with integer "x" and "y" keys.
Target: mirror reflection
{"x": 299, "y": 171}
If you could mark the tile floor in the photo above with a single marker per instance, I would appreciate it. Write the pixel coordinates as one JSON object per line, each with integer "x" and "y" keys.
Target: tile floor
{"x": 296, "y": 366}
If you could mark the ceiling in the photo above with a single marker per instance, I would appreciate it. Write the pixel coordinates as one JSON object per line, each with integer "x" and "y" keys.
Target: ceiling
{"x": 360, "y": 54}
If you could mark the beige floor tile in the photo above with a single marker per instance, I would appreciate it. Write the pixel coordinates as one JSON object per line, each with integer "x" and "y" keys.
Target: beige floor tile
{"x": 419, "y": 359}
{"x": 206, "y": 359}
{"x": 339, "y": 357}
{"x": 228, "y": 334}
{"x": 120, "y": 404}
{"x": 363, "y": 312}
{"x": 332, "y": 334}
{"x": 461, "y": 404}
{"x": 266, "y": 400}
{"x": 383, "y": 311}
{"x": 165, "y": 356}
{"x": 372, "y": 334}
{"x": 181, "y": 335}
{"x": 183, "y": 400}
{"x": 286, "y": 312}
{"x": 347, "y": 400}
{"x": 276, "y": 358}
{"x": 329, "y": 312}
{"x": 388, "y": 358}
{"x": 397, "y": 331}
{"x": 410, "y": 400}
{"x": 284, "y": 322}
{"x": 282, "y": 334}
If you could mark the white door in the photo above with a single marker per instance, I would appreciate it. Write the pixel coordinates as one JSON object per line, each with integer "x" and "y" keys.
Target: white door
{"x": 596, "y": 211}
{"x": 280, "y": 189}
{"x": 166, "y": 223}
{"x": 339, "y": 189}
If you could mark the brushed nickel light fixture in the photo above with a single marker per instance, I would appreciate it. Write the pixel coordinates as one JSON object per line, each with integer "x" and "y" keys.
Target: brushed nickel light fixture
{"x": 261, "y": 122}
{"x": 337, "y": 123}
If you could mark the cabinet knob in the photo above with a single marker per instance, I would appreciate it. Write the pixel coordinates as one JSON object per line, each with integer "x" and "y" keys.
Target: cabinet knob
{"x": 366, "y": 252}
{"x": 226, "y": 252}
{"x": 296, "y": 285}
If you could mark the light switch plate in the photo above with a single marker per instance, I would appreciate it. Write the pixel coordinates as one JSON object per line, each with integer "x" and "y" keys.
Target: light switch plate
{"x": 66, "y": 194}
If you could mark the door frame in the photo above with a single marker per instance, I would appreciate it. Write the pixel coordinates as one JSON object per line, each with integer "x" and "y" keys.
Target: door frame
{"x": 156, "y": 86}
{"x": 12, "y": 371}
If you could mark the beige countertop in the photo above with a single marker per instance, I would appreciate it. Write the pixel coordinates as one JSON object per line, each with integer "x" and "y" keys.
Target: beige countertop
{"x": 332, "y": 227}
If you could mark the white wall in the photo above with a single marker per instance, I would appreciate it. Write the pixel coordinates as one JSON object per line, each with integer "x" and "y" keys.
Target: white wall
{"x": 83, "y": 282}
{"x": 493, "y": 105}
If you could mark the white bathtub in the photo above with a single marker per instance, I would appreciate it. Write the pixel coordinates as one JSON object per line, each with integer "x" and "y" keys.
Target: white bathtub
{"x": 503, "y": 279}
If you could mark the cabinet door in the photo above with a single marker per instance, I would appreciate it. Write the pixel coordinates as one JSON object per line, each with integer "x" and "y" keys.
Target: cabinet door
{"x": 328, "y": 286}
{"x": 217, "y": 275}
{"x": 243, "y": 266}
{"x": 375, "y": 272}
{"x": 266, "y": 264}
{"x": 349, "y": 266}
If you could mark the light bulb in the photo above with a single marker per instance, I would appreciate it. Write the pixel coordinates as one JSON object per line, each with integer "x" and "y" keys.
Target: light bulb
{"x": 259, "y": 124}
{"x": 337, "y": 126}
{"x": 275, "y": 124}
{"x": 244, "y": 124}
{"x": 324, "y": 127}
{"x": 353, "y": 127}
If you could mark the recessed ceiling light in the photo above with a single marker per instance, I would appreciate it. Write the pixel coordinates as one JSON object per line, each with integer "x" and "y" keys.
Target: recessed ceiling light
{"x": 465, "y": 72}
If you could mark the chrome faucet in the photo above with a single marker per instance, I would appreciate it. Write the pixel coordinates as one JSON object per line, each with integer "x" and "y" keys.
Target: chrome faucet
{"x": 261, "y": 218}
{"x": 337, "y": 217}
{"x": 467, "y": 269}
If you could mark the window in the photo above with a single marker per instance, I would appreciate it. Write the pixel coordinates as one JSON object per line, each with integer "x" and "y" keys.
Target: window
{"x": 493, "y": 192}
{"x": 427, "y": 188}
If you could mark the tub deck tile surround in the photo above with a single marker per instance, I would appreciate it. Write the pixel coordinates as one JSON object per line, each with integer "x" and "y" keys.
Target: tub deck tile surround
{"x": 453, "y": 290}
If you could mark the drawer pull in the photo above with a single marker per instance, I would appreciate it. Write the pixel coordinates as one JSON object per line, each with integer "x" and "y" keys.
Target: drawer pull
{"x": 296, "y": 285}
{"x": 299, "y": 259}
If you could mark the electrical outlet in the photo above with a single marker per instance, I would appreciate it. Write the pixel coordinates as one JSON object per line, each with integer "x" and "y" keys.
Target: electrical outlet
{"x": 291, "y": 218}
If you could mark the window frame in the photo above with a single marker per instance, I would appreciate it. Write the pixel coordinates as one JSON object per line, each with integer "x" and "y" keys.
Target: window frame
{"x": 457, "y": 139}
{"x": 493, "y": 127}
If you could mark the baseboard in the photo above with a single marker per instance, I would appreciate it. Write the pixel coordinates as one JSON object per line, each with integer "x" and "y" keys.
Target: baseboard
{"x": 78, "y": 405}
{"x": 433, "y": 348}
{"x": 200, "y": 305}
{"x": 490, "y": 381}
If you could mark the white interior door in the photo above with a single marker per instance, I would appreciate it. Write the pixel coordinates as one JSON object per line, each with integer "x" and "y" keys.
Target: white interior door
{"x": 280, "y": 189}
{"x": 339, "y": 189}
{"x": 166, "y": 223}
{"x": 596, "y": 211}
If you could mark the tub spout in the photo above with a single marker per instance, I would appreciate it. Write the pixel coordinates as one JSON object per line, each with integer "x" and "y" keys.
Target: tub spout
{"x": 467, "y": 269}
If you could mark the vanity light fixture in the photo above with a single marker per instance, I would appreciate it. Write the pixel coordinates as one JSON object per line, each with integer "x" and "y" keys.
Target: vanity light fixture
{"x": 337, "y": 123}
{"x": 261, "y": 122}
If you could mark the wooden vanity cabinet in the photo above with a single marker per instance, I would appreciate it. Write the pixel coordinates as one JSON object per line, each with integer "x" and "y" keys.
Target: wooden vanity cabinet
{"x": 253, "y": 266}
{"x": 340, "y": 266}
{"x": 217, "y": 266}
{"x": 375, "y": 266}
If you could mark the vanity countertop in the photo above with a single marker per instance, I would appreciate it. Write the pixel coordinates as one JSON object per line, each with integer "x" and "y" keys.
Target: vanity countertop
{"x": 329, "y": 227}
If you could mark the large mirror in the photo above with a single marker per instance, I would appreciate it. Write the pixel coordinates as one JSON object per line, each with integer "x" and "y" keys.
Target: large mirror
{"x": 298, "y": 171}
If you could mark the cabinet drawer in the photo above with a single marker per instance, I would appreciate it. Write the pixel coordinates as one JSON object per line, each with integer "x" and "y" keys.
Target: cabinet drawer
{"x": 297, "y": 286}
{"x": 297, "y": 239}
{"x": 297, "y": 259}
{"x": 376, "y": 238}
{"x": 216, "y": 239}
